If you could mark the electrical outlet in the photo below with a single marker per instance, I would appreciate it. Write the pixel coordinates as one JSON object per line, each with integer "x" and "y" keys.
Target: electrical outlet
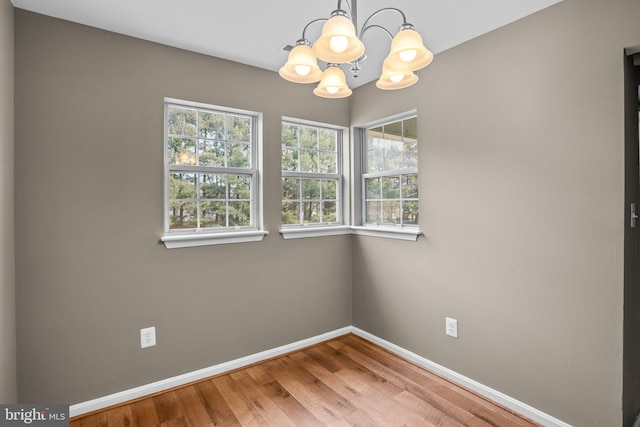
{"x": 451, "y": 327}
{"x": 148, "y": 337}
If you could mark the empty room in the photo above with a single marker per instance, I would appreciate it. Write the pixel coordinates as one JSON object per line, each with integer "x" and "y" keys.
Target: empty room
{"x": 181, "y": 200}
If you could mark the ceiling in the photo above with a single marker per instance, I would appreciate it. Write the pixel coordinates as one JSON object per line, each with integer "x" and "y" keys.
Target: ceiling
{"x": 254, "y": 32}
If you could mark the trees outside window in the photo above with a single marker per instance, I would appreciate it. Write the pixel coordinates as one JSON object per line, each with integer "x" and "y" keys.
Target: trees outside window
{"x": 390, "y": 173}
{"x": 311, "y": 174}
{"x": 211, "y": 168}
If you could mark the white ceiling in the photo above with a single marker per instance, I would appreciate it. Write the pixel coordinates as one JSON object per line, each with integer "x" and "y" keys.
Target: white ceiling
{"x": 253, "y": 32}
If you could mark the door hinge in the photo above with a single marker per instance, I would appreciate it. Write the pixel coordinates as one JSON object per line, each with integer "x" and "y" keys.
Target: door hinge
{"x": 634, "y": 216}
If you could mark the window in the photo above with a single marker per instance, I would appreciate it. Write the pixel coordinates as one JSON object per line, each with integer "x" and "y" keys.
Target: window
{"x": 211, "y": 175}
{"x": 389, "y": 178}
{"x": 313, "y": 184}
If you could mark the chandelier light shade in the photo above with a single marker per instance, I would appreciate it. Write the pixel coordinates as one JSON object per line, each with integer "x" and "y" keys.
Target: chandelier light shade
{"x": 302, "y": 65}
{"x": 408, "y": 52}
{"x": 393, "y": 79}
{"x": 333, "y": 83}
{"x": 339, "y": 43}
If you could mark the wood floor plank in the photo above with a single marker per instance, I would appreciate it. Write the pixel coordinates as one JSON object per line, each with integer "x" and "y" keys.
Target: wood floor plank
{"x": 144, "y": 412}
{"x": 298, "y": 414}
{"x": 268, "y": 409}
{"x": 217, "y": 407}
{"x": 119, "y": 416}
{"x": 94, "y": 420}
{"x": 350, "y": 393}
{"x": 242, "y": 408}
{"x": 425, "y": 386}
{"x": 346, "y": 381}
{"x": 193, "y": 408}
{"x": 330, "y": 399}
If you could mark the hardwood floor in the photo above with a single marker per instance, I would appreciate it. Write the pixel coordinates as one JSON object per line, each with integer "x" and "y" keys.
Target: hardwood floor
{"x": 346, "y": 381}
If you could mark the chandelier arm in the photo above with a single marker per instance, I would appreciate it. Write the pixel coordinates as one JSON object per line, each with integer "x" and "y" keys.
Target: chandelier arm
{"x": 378, "y": 12}
{"x": 304, "y": 31}
{"x": 376, "y": 26}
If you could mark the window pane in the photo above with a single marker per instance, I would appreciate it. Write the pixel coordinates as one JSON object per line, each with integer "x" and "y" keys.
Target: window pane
{"x": 182, "y": 121}
{"x": 239, "y": 128}
{"x": 328, "y": 162}
{"x": 373, "y": 212}
{"x": 213, "y": 186}
{"x": 392, "y": 154}
{"x": 290, "y": 188}
{"x": 393, "y": 131}
{"x": 391, "y": 212}
{"x": 211, "y": 153}
{"x": 390, "y": 149}
{"x": 329, "y": 212}
{"x": 410, "y": 213}
{"x": 410, "y": 186}
{"x": 205, "y": 195}
{"x": 329, "y": 188}
{"x": 238, "y": 155}
{"x": 182, "y": 151}
{"x": 391, "y": 187}
{"x": 375, "y": 160}
{"x": 310, "y": 189}
{"x": 290, "y": 213}
{"x": 289, "y": 135}
{"x": 239, "y": 214}
{"x": 182, "y": 186}
{"x": 373, "y": 188}
{"x": 310, "y": 212}
{"x": 308, "y": 138}
{"x": 309, "y": 150}
{"x": 182, "y": 214}
{"x": 409, "y": 154}
{"x": 289, "y": 159}
{"x": 410, "y": 128}
{"x": 213, "y": 214}
{"x": 239, "y": 187}
{"x": 328, "y": 140}
{"x": 308, "y": 161}
{"x": 212, "y": 125}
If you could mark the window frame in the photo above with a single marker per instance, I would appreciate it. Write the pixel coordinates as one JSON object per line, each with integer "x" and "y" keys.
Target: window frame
{"x": 361, "y": 227}
{"x": 342, "y": 223}
{"x": 178, "y": 238}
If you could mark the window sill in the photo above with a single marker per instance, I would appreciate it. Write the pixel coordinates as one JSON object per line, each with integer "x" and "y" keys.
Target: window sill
{"x": 173, "y": 241}
{"x": 302, "y": 232}
{"x": 390, "y": 232}
{"x": 400, "y": 233}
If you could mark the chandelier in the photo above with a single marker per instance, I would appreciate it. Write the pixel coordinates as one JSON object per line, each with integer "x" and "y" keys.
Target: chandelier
{"x": 339, "y": 44}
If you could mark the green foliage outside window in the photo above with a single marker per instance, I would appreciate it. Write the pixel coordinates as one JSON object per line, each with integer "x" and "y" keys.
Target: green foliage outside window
{"x": 199, "y": 140}
{"x": 309, "y": 154}
{"x": 391, "y": 179}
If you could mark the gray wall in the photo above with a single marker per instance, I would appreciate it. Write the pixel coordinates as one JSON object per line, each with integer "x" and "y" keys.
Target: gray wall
{"x": 90, "y": 270}
{"x": 7, "y": 276}
{"x": 522, "y": 206}
{"x": 522, "y": 202}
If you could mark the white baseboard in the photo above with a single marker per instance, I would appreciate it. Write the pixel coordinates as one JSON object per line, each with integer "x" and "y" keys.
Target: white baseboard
{"x": 169, "y": 383}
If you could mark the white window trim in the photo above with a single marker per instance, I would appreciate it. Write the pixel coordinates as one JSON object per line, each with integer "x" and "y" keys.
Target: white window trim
{"x": 297, "y": 231}
{"x": 399, "y": 232}
{"x": 173, "y": 241}
{"x": 388, "y": 231}
{"x": 185, "y": 239}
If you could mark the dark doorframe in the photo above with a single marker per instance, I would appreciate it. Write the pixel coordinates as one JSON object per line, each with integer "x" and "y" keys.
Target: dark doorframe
{"x": 631, "y": 337}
